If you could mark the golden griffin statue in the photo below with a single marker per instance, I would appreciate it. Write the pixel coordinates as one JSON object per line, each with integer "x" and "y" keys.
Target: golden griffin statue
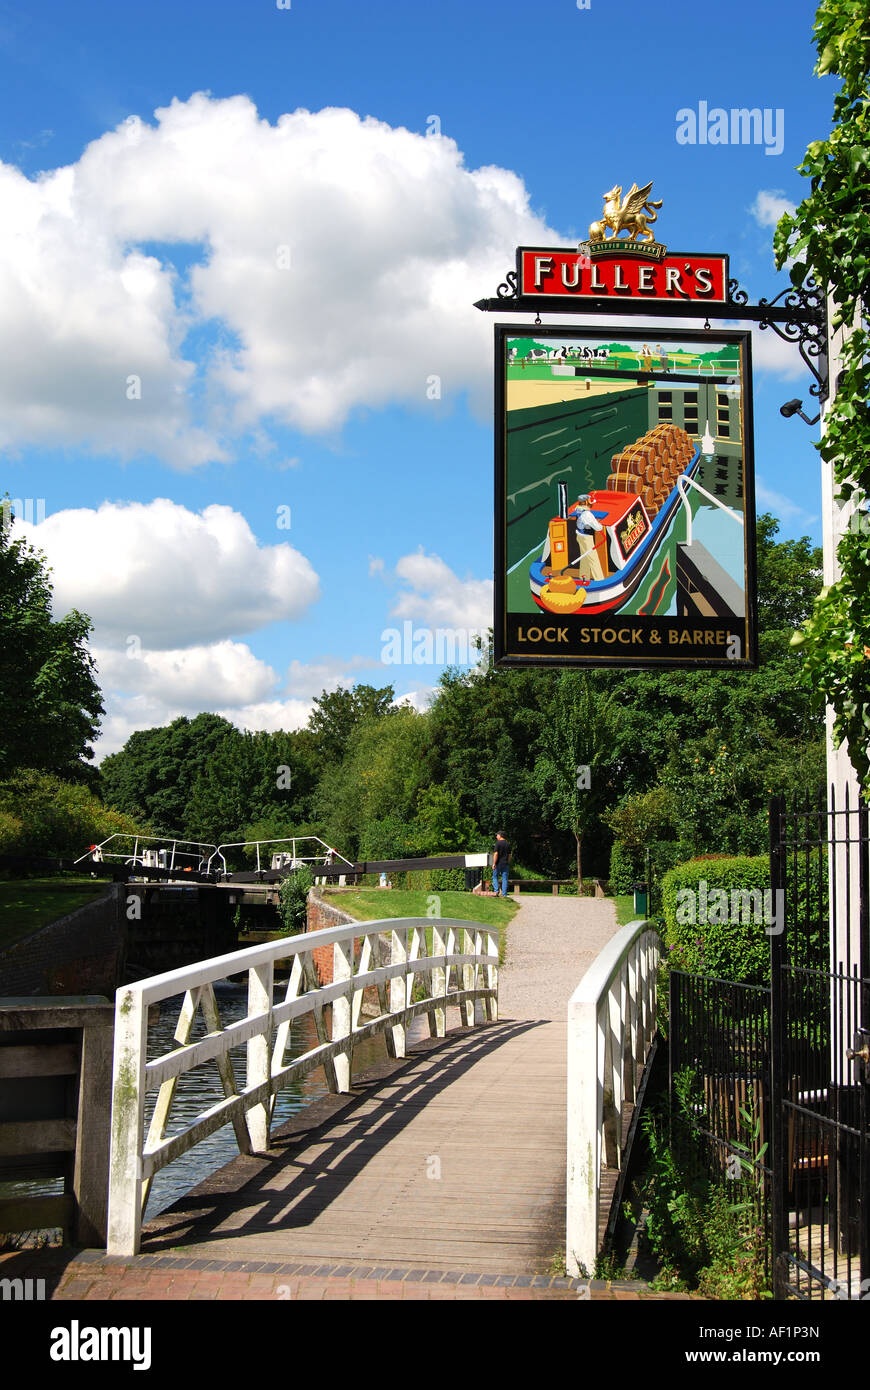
{"x": 630, "y": 215}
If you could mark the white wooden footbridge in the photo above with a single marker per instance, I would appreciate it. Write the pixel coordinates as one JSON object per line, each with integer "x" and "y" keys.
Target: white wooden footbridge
{"x": 482, "y": 1146}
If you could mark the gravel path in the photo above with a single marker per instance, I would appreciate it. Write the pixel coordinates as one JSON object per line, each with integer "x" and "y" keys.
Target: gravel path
{"x": 552, "y": 941}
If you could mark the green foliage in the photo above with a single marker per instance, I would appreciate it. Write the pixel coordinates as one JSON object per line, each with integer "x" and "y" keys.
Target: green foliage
{"x": 41, "y": 814}
{"x": 644, "y": 816}
{"x": 704, "y": 1234}
{"x": 581, "y": 732}
{"x": 337, "y": 714}
{"x": 391, "y": 838}
{"x": 732, "y": 943}
{"x": 385, "y": 766}
{"x": 447, "y": 880}
{"x": 154, "y": 773}
{"x": 50, "y": 703}
{"x": 448, "y": 831}
{"x": 626, "y": 867}
{"x": 12, "y": 835}
{"x": 827, "y": 240}
{"x": 293, "y": 900}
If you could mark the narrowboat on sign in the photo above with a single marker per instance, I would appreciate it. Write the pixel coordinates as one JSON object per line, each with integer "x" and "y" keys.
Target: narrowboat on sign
{"x": 598, "y": 550}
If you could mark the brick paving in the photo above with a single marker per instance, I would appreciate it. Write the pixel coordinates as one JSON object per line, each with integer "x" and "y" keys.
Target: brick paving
{"x": 89, "y": 1274}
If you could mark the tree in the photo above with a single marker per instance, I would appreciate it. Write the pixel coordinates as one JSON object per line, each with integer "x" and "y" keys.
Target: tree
{"x": 448, "y": 831}
{"x": 154, "y": 774}
{"x": 384, "y": 766}
{"x": 828, "y": 240}
{"x": 578, "y": 752}
{"x": 50, "y": 702}
{"x": 337, "y": 713}
{"x": 40, "y": 814}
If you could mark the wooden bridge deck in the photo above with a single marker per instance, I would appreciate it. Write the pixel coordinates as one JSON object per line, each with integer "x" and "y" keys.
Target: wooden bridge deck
{"x": 453, "y": 1158}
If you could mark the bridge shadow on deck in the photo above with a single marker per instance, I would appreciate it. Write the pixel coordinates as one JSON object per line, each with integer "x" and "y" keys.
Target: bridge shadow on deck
{"x": 316, "y": 1156}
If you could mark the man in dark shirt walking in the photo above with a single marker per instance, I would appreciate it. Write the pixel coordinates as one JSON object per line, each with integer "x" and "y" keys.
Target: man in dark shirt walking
{"x": 501, "y": 859}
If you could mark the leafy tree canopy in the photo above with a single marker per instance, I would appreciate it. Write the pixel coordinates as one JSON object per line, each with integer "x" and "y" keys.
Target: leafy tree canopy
{"x": 337, "y": 713}
{"x": 50, "y": 702}
{"x": 827, "y": 240}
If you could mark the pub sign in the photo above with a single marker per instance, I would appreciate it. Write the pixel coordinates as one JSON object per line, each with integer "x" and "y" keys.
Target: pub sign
{"x": 624, "y": 487}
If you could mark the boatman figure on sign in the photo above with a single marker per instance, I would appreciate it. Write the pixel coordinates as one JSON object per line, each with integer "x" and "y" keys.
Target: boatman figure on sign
{"x": 587, "y": 526}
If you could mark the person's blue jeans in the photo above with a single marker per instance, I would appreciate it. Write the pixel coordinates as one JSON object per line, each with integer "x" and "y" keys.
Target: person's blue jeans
{"x": 503, "y": 875}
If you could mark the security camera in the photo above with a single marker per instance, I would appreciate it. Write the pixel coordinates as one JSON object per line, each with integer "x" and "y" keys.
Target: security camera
{"x": 794, "y": 408}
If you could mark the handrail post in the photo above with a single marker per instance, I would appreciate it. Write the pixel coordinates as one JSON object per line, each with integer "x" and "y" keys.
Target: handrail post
{"x": 128, "y": 1123}
{"x": 438, "y": 1016}
{"x": 413, "y": 955}
{"x": 259, "y": 1053}
{"x": 398, "y": 956}
{"x": 466, "y": 1007}
{"x": 492, "y": 974}
{"x": 342, "y": 1011}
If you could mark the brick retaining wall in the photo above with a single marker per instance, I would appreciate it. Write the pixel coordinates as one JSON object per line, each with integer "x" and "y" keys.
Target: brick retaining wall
{"x": 322, "y": 915}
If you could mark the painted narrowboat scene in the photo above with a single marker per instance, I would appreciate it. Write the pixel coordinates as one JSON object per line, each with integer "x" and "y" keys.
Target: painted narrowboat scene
{"x": 624, "y": 477}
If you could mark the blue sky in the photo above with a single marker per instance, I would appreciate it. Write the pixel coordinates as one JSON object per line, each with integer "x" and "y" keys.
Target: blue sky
{"x": 239, "y": 305}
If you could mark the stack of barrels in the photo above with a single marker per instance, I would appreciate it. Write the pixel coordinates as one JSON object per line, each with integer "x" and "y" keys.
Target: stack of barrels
{"x": 651, "y": 465}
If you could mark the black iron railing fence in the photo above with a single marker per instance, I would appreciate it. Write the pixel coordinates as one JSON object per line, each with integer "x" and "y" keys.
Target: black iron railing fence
{"x": 820, "y": 1017}
{"x": 795, "y": 1054}
{"x": 719, "y": 1033}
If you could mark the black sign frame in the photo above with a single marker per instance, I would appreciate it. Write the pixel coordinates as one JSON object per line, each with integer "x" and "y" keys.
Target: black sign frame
{"x": 505, "y": 653}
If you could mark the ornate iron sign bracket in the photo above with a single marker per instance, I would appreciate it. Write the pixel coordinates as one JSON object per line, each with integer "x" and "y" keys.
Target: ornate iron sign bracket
{"x": 796, "y": 315}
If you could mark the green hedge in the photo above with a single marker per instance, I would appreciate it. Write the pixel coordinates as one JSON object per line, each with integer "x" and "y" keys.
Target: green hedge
{"x": 711, "y": 927}
{"x": 625, "y": 868}
{"x": 735, "y": 915}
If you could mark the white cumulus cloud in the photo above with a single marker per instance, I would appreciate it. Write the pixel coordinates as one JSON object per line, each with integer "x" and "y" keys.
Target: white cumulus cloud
{"x": 435, "y": 595}
{"x": 170, "y": 576}
{"x": 769, "y": 206}
{"x": 336, "y": 261}
{"x": 192, "y": 678}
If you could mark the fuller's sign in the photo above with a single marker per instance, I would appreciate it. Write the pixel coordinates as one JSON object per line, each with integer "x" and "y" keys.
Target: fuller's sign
{"x": 638, "y": 267}
{"x": 625, "y": 270}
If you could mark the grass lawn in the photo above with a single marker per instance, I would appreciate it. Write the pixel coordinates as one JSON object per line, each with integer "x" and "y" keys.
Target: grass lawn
{"x": 625, "y": 912}
{"x": 370, "y": 904}
{"x": 30, "y": 903}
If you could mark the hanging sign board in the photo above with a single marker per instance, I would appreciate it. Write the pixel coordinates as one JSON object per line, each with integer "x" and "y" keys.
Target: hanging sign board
{"x": 625, "y": 510}
{"x": 624, "y": 497}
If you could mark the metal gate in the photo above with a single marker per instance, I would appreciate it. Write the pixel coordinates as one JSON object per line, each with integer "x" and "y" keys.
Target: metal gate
{"x": 820, "y": 1049}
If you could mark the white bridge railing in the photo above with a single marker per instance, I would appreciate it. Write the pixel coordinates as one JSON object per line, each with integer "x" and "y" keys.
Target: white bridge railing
{"x": 462, "y": 969}
{"x": 611, "y": 1024}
